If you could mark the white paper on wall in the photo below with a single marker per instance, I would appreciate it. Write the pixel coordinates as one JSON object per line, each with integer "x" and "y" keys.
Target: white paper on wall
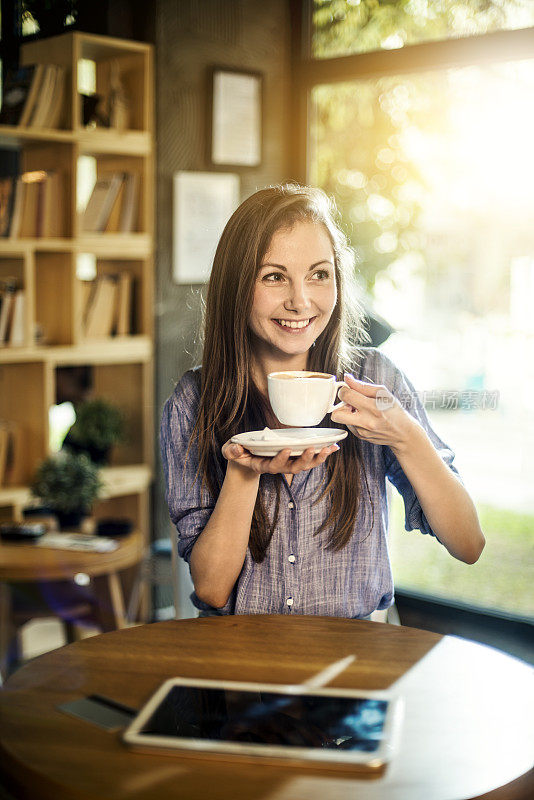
{"x": 203, "y": 202}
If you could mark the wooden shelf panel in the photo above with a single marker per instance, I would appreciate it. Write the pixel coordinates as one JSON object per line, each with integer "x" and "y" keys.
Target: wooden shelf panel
{"x": 21, "y": 246}
{"x": 111, "y": 350}
{"x": 115, "y": 245}
{"x": 135, "y": 143}
{"x": 111, "y": 245}
{"x": 13, "y": 136}
{"x": 97, "y": 47}
{"x": 129, "y": 479}
{"x": 118, "y": 481}
{"x": 14, "y": 496}
{"x": 132, "y": 143}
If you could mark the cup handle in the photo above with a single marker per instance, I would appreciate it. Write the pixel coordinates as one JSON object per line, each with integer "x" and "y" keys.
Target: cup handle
{"x": 335, "y": 406}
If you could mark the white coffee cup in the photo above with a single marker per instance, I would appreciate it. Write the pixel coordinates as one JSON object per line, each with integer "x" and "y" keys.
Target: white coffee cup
{"x": 302, "y": 399}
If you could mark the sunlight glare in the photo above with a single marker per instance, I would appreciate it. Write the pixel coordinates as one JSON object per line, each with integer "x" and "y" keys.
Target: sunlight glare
{"x": 484, "y": 159}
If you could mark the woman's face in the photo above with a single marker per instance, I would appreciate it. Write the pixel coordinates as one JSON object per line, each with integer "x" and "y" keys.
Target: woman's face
{"x": 295, "y": 291}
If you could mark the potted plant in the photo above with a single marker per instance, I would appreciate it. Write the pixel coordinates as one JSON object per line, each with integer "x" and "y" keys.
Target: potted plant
{"x": 68, "y": 484}
{"x": 99, "y": 425}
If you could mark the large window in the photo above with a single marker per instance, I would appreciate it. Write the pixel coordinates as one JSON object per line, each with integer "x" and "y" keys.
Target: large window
{"x": 433, "y": 172}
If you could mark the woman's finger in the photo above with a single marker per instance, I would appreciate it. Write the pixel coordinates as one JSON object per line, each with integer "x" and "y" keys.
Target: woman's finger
{"x": 232, "y": 451}
{"x": 278, "y": 463}
{"x": 361, "y": 418}
{"x": 305, "y": 460}
{"x": 323, "y": 454}
{"x": 363, "y": 396}
{"x": 356, "y": 400}
{"x": 315, "y": 459}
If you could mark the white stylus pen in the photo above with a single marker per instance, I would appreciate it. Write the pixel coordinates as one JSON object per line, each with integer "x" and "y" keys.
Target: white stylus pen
{"x": 328, "y": 673}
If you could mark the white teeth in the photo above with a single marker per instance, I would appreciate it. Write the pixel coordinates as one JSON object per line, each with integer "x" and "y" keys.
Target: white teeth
{"x": 293, "y": 324}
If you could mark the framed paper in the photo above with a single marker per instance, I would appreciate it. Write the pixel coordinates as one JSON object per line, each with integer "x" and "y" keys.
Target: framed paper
{"x": 236, "y": 118}
{"x": 202, "y": 204}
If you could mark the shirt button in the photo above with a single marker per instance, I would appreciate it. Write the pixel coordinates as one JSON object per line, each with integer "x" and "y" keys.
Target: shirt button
{"x": 291, "y": 505}
{"x": 291, "y": 558}
{"x": 289, "y": 601}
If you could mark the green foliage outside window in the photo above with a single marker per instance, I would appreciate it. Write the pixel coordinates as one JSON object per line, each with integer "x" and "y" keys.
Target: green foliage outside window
{"x": 342, "y": 27}
{"x": 359, "y": 159}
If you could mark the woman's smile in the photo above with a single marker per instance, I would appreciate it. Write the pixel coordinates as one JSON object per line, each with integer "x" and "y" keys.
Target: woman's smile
{"x": 294, "y": 326}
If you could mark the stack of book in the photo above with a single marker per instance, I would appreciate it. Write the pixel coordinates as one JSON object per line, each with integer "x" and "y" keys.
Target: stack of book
{"x": 34, "y": 96}
{"x": 107, "y": 305}
{"x": 11, "y": 454}
{"x": 12, "y": 313}
{"x": 113, "y": 204}
{"x": 31, "y": 205}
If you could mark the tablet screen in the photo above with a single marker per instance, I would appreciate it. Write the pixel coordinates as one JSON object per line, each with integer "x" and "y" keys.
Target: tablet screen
{"x": 259, "y": 717}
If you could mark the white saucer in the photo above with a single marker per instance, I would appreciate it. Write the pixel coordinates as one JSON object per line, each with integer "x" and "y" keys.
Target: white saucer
{"x": 269, "y": 442}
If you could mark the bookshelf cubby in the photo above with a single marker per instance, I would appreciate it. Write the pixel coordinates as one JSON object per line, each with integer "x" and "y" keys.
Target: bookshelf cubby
{"x": 45, "y": 267}
{"x": 109, "y": 164}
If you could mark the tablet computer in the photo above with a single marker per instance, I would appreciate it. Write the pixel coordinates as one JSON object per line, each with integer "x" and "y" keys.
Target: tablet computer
{"x": 326, "y": 726}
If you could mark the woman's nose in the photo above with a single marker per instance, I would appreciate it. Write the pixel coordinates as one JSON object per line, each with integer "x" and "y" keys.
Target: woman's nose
{"x": 297, "y": 299}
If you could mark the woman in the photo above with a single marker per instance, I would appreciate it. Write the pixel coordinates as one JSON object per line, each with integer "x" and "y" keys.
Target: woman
{"x": 305, "y": 535}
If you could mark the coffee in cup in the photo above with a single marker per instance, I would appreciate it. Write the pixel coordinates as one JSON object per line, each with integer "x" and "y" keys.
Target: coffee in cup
{"x": 302, "y": 399}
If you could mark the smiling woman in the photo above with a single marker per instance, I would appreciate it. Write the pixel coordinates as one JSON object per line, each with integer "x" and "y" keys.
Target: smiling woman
{"x": 304, "y": 534}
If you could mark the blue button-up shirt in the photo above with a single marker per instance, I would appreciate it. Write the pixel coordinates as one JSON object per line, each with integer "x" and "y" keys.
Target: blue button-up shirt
{"x": 299, "y": 575}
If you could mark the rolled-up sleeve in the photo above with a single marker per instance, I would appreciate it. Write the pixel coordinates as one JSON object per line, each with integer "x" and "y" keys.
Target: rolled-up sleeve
{"x": 406, "y": 394}
{"x": 190, "y": 506}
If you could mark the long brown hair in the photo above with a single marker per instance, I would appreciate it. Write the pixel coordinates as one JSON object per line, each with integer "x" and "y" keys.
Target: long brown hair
{"x": 230, "y": 401}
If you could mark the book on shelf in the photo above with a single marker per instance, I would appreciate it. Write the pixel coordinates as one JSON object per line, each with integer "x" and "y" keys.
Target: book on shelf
{"x": 16, "y": 212}
{"x": 16, "y": 331}
{"x": 48, "y": 106}
{"x": 8, "y": 289}
{"x": 34, "y": 96}
{"x": 54, "y": 118}
{"x": 34, "y": 205}
{"x": 128, "y": 218}
{"x": 4, "y": 443}
{"x": 123, "y": 308}
{"x": 50, "y": 206}
{"x": 101, "y": 310}
{"x": 7, "y": 196}
{"x": 107, "y": 309}
{"x": 86, "y": 287}
{"x": 113, "y": 204}
{"x": 30, "y": 194}
{"x": 112, "y": 224}
{"x": 100, "y": 205}
{"x": 11, "y": 454}
{"x": 19, "y": 94}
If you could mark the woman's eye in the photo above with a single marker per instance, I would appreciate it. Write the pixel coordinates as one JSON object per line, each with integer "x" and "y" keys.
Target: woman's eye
{"x": 273, "y": 277}
{"x": 321, "y": 275}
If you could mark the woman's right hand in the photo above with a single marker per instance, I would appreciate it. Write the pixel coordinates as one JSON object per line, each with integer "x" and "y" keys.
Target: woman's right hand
{"x": 283, "y": 462}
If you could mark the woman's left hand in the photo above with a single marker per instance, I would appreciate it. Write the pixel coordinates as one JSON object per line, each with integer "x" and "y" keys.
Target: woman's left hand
{"x": 373, "y": 414}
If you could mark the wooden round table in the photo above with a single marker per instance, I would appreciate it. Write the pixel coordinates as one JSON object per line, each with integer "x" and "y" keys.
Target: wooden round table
{"x": 28, "y": 563}
{"x": 467, "y": 730}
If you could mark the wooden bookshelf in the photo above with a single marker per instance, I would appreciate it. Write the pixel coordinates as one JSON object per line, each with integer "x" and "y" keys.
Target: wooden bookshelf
{"x": 46, "y": 268}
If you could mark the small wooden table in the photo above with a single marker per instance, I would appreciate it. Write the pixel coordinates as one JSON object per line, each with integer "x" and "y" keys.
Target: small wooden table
{"x": 467, "y": 729}
{"x": 27, "y": 563}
